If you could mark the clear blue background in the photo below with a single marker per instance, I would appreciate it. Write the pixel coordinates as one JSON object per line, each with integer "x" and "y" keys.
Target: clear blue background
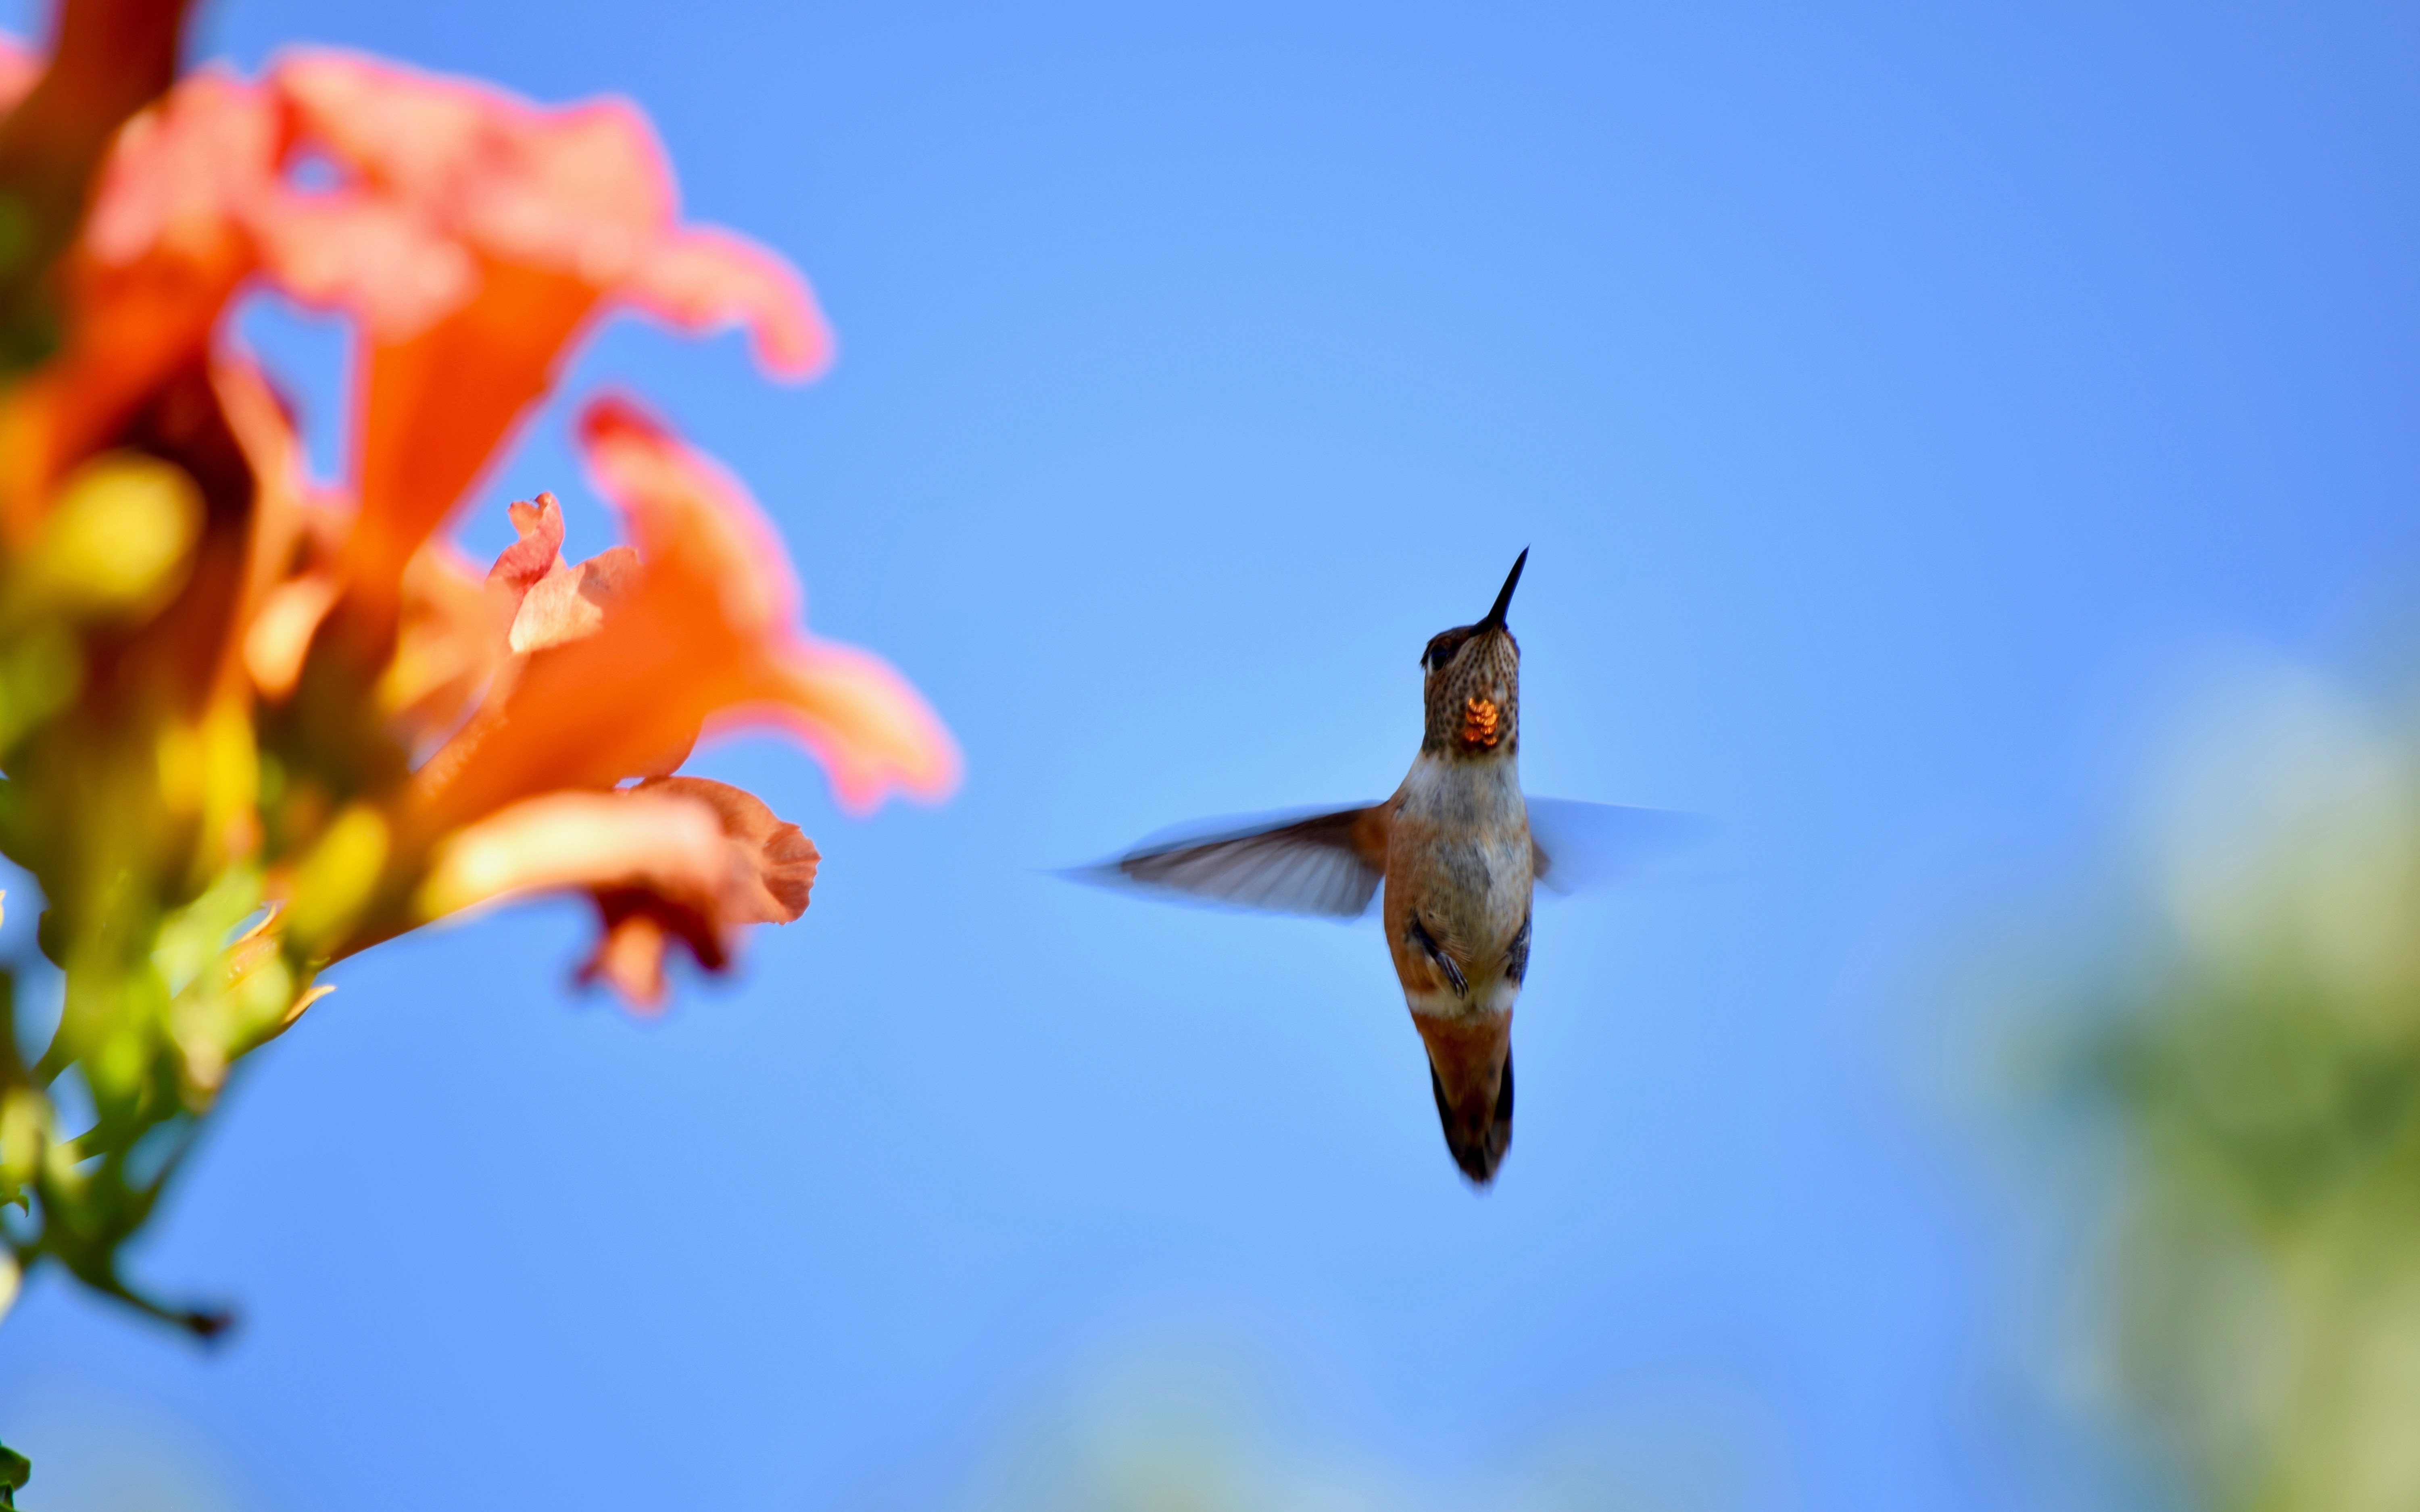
{"x": 1887, "y": 392}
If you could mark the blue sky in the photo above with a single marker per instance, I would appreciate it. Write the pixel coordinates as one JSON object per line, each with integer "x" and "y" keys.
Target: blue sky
{"x": 1892, "y": 397}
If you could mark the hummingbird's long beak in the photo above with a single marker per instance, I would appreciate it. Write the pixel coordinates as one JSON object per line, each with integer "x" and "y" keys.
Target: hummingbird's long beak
{"x": 1495, "y": 619}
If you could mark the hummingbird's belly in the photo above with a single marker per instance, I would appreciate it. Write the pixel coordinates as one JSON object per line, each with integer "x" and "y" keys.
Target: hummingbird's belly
{"x": 1459, "y": 876}
{"x": 1473, "y": 896}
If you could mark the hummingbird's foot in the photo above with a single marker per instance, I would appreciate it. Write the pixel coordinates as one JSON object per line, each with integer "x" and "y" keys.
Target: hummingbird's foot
{"x": 1419, "y": 936}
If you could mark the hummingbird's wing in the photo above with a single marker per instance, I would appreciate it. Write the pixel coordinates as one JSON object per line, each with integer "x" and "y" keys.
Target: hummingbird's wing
{"x": 1583, "y": 845}
{"x": 1327, "y": 863}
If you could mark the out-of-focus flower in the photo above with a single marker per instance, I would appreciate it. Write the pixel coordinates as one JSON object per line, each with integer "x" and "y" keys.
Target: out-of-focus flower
{"x": 475, "y": 234}
{"x": 108, "y": 60}
{"x": 252, "y": 725}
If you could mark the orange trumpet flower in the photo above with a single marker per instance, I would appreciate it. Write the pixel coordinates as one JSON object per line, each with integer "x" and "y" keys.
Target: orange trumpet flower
{"x": 255, "y": 724}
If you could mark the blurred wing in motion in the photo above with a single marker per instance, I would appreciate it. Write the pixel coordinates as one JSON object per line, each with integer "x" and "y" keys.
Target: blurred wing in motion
{"x": 1327, "y": 863}
{"x": 1585, "y": 845}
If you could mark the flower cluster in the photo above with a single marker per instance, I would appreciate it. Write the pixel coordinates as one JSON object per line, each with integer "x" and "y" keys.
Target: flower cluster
{"x": 252, "y": 724}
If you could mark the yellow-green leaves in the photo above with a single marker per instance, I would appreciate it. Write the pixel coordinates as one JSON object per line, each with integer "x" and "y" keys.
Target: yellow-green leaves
{"x": 229, "y": 990}
{"x": 210, "y": 771}
{"x": 39, "y": 676}
{"x": 25, "y": 1129}
{"x": 116, "y": 544}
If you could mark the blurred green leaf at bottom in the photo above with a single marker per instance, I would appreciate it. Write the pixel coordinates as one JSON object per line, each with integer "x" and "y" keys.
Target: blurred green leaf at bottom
{"x": 15, "y": 1470}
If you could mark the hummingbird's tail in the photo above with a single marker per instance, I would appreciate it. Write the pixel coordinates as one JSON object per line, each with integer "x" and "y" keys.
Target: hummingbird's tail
{"x": 1477, "y": 1142}
{"x": 1470, "y": 1072}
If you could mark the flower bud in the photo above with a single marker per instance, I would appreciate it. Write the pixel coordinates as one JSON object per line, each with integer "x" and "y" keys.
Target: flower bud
{"x": 119, "y": 541}
{"x": 337, "y": 880}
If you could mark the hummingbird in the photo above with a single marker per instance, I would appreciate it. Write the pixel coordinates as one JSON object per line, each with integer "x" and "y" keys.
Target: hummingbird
{"x": 1458, "y": 852}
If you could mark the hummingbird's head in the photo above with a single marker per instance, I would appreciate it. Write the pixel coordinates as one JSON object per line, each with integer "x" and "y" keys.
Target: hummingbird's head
{"x": 1470, "y": 1071}
{"x": 1473, "y": 682}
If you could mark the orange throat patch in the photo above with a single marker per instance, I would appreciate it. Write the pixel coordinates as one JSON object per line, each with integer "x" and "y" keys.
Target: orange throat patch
{"x": 1480, "y": 723}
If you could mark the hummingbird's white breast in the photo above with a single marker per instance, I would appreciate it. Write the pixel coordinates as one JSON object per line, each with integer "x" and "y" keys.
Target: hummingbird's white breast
{"x": 1459, "y": 865}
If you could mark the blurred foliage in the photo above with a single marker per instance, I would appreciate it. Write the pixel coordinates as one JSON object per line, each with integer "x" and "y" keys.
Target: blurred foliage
{"x": 14, "y": 1473}
{"x": 2264, "y": 1067}
{"x": 1189, "y": 1427}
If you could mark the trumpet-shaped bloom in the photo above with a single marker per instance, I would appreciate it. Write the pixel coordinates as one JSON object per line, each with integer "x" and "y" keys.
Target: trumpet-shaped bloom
{"x": 474, "y": 236}
{"x": 677, "y": 858}
{"x": 163, "y": 248}
{"x": 605, "y": 669}
{"x": 501, "y": 228}
{"x": 628, "y": 658}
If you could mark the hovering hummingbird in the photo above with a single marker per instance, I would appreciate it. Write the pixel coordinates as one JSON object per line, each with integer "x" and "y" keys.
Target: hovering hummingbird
{"x": 1457, "y": 849}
